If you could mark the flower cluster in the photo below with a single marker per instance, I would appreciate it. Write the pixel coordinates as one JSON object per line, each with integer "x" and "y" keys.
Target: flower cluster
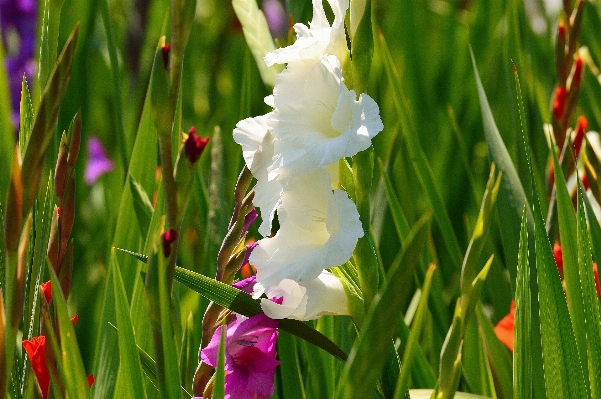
{"x": 293, "y": 152}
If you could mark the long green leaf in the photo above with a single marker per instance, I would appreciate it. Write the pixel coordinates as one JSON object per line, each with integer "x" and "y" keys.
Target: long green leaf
{"x": 569, "y": 251}
{"x": 240, "y": 302}
{"x": 257, "y": 37}
{"x": 522, "y": 356}
{"x": 130, "y": 361}
{"x": 416, "y": 331}
{"x": 592, "y": 312}
{"x": 369, "y": 351}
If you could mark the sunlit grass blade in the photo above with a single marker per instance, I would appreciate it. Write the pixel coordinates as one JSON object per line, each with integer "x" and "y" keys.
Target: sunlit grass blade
{"x": 25, "y": 115}
{"x": 141, "y": 204}
{"x": 416, "y": 331}
{"x": 569, "y": 251}
{"x": 370, "y": 350}
{"x": 257, "y": 36}
{"x": 522, "y": 356}
{"x": 130, "y": 361}
{"x": 512, "y": 194}
{"x": 591, "y": 309}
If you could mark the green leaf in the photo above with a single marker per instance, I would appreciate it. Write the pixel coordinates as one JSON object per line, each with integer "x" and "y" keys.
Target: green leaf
{"x": 7, "y": 133}
{"x": 25, "y": 115}
{"x": 398, "y": 217}
{"x": 522, "y": 356}
{"x": 130, "y": 361}
{"x": 141, "y": 204}
{"x": 499, "y": 356}
{"x": 49, "y": 42}
{"x": 420, "y": 163}
{"x": 219, "y": 387}
{"x": 257, "y": 37}
{"x": 240, "y": 302}
{"x": 71, "y": 365}
{"x": 592, "y": 313}
{"x": 118, "y": 117}
{"x": 45, "y": 118}
{"x": 371, "y": 347}
{"x": 512, "y": 194}
{"x": 569, "y": 251}
{"x": 290, "y": 367}
{"x": 362, "y": 46}
{"x": 416, "y": 331}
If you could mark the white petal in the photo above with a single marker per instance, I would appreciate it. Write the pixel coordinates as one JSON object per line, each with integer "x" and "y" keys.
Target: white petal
{"x": 320, "y": 230}
{"x": 323, "y": 296}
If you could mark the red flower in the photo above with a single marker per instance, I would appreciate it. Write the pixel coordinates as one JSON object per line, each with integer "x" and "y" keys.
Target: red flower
{"x": 504, "y": 329}
{"x": 36, "y": 350}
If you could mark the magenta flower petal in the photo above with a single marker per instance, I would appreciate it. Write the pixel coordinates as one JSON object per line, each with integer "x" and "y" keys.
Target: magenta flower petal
{"x": 98, "y": 163}
{"x": 249, "y": 357}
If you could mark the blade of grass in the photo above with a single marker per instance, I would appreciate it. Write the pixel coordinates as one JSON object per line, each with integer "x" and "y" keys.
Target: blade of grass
{"x": 416, "y": 331}
{"x": 369, "y": 351}
{"x": 130, "y": 360}
{"x": 420, "y": 162}
{"x": 592, "y": 313}
{"x": 522, "y": 356}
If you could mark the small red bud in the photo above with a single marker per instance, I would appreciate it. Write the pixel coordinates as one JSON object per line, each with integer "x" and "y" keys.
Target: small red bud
{"x": 558, "y": 258}
{"x": 577, "y": 73}
{"x": 559, "y": 102}
{"x": 596, "y": 273}
{"x": 74, "y": 320}
{"x": 47, "y": 290}
{"x": 168, "y": 238}
{"x": 194, "y": 145}
{"x": 581, "y": 127}
{"x": 561, "y": 32}
{"x": 585, "y": 182}
{"x": 166, "y": 48}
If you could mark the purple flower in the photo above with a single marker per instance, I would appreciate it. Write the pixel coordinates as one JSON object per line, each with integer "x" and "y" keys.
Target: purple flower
{"x": 18, "y": 21}
{"x": 97, "y": 163}
{"x": 249, "y": 356}
{"x": 276, "y": 18}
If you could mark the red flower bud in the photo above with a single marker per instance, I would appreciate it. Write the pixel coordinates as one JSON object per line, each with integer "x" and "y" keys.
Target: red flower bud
{"x": 168, "y": 238}
{"x": 194, "y": 145}
{"x": 585, "y": 182}
{"x": 47, "y": 290}
{"x": 596, "y": 273}
{"x": 558, "y": 258}
{"x": 166, "y": 48}
{"x": 581, "y": 127}
{"x": 559, "y": 102}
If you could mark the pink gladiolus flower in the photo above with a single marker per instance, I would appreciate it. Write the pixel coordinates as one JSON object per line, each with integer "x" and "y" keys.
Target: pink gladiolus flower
{"x": 249, "y": 357}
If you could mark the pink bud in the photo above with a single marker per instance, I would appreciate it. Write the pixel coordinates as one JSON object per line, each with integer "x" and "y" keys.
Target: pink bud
{"x": 168, "y": 238}
{"x": 194, "y": 145}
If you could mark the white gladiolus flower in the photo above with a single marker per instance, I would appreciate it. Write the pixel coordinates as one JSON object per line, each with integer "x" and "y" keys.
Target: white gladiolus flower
{"x": 317, "y": 120}
{"x": 318, "y": 229}
{"x": 318, "y": 39}
{"x": 323, "y": 296}
{"x": 257, "y": 149}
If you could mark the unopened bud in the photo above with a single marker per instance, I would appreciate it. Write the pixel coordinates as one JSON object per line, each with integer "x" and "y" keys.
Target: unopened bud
{"x": 168, "y": 237}
{"x": 585, "y": 183}
{"x": 194, "y": 145}
{"x": 577, "y": 73}
{"x": 46, "y": 289}
{"x": 559, "y": 102}
{"x": 581, "y": 127}
{"x": 166, "y": 48}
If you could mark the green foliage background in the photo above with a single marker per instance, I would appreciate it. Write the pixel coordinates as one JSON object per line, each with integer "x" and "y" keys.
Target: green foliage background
{"x": 438, "y": 122}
